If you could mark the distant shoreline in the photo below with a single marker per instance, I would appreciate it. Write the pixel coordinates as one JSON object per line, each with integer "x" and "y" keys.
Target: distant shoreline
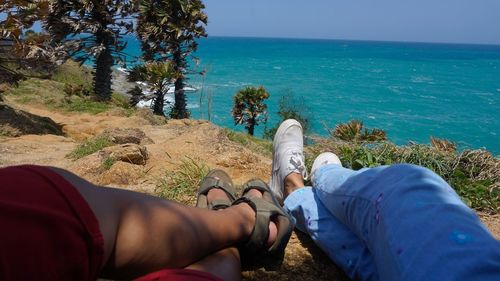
{"x": 342, "y": 40}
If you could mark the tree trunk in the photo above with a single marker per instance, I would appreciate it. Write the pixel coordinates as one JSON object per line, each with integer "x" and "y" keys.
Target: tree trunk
{"x": 251, "y": 127}
{"x": 159, "y": 104}
{"x": 179, "y": 111}
{"x": 103, "y": 68}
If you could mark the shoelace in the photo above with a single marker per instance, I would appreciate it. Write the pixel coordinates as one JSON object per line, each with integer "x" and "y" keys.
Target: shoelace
{"x": 296, "y": 163}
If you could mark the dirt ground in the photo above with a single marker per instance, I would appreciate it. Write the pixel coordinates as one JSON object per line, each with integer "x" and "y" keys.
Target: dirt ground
{"x": 198, "y": 140}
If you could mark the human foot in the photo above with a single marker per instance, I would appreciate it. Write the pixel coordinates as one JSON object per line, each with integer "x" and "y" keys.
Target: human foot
{"x": 219, "y": 182}
{"x": 288, "y": 156}
{"x": 273, "y": 229}
{"x": 217, "y": 193}
{"x": 272, "y": 221}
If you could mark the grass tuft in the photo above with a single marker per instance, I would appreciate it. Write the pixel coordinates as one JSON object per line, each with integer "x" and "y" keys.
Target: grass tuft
{"x": 121, "y": 101}
{"x": 84, "y": 105}
{"x": 108, "y": 163}
{"x": 182, "y": 184}
{"x": 89, "y": 147}
{"x": 261, "y": 146}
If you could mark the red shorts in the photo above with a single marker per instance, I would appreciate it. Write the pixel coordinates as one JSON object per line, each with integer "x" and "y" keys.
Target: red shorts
{"x": 49, "y": 232}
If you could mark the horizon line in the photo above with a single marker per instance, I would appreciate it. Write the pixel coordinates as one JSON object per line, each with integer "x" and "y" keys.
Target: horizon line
{"x": 356, "y": 40}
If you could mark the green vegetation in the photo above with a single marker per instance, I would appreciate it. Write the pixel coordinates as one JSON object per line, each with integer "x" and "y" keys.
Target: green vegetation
{"x": 89, "y": 147}
{"x": 257, "y": 145}
{"x": 123, "y": 102}
{"x": 94, "y": 31}
{"x": 73, "y": 73}
{"x": 290, "y": 107}
{"x": 474, "y": 174}
{"x": 168, "y": 30}
{"x": 249, "y": 107}
{"x": 84, "y": 105}
{"x": 354, "y": 131}
{"x": 180, "y": 185}
{"x": 108, "y": 163}
{"x": 70, "y": 22}
{"x": 158, "y": 76}
{"x": 136, "y": 95}
{"x": 69, "y": 90}
{"x": 24, "y": 53}
{"x": 443, "y": 145}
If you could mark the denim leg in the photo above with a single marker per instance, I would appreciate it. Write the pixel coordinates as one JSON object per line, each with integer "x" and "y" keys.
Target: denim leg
{"x": 333, "y": 237}
{"x": 412, "y": 222}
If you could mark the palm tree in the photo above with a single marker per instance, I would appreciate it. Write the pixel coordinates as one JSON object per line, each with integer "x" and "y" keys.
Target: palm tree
{"x": 92, "y": 30}
{"x": 249, "y": 107}
{"x": 168, "y": 30}
{"x": 158, "y": 76}
{"x": 20, "y": 48}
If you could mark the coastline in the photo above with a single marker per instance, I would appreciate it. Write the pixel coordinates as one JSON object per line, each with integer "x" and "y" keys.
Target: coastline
{"x": 120, "y": 84}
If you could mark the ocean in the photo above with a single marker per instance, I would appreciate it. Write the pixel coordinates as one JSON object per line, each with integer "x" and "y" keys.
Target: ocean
{"x": 410, "y": 90}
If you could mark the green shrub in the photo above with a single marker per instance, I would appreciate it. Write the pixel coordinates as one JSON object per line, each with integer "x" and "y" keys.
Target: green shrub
{"x": 443, "y": 145}
{"x": 473, "y": 174}
{"x": 354, "y": 131}
{"x": 182, "y": 184}
{"x": 76, "y": 90}
{"x": 74, "y": 74}
{"x": 89, "y": 147}
{"x": 120, "y": 101}
{"x": 477, "y": 194}
{"x": 290, "y": 107}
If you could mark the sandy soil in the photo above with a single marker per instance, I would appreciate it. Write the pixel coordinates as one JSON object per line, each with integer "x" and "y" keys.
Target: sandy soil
{"x": 198, "y": 140}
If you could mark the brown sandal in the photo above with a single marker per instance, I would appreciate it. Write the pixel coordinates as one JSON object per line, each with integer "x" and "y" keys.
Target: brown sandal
{"x": 216, "y": 179}
{"x": 267, "y": 209}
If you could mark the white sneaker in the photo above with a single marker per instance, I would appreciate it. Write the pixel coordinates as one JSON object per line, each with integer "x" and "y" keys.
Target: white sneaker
{"x": 323, "y": 159}
{"x": 288, "y": 155}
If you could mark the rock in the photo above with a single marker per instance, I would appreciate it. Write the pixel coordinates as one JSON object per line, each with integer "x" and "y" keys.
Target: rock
{"x": 131, "y": 153}
{"x": 126, "y": 135}
{"x": 120, "y": 174}
{"x": 150, "y": 118}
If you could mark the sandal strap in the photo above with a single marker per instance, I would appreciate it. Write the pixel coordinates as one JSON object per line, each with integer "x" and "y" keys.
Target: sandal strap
{"x": 264, "y": 212}
{"x": 216, "y": 179}
{"x": 219, "y": 204}
{"x": 255, "y": 184}
{"x": 263, "y": 187}
{"x": 259, "y": 234}
{"x": 210, "y": 183}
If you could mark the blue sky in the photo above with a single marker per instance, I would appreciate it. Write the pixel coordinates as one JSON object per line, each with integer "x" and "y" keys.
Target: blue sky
{"x": 451, "y": 21}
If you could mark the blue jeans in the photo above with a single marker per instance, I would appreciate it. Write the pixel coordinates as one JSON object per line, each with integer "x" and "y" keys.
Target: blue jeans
{"x": 399, "y": 222}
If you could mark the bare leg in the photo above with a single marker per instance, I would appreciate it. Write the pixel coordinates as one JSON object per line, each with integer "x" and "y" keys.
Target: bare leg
{"x": 293, "y": 182}
{"x": 225, "y": 264}
{"x": 143, "y": 234}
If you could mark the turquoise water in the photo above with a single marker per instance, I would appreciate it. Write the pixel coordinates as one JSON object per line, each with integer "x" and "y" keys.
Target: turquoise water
{"x": 411, "y": 90}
